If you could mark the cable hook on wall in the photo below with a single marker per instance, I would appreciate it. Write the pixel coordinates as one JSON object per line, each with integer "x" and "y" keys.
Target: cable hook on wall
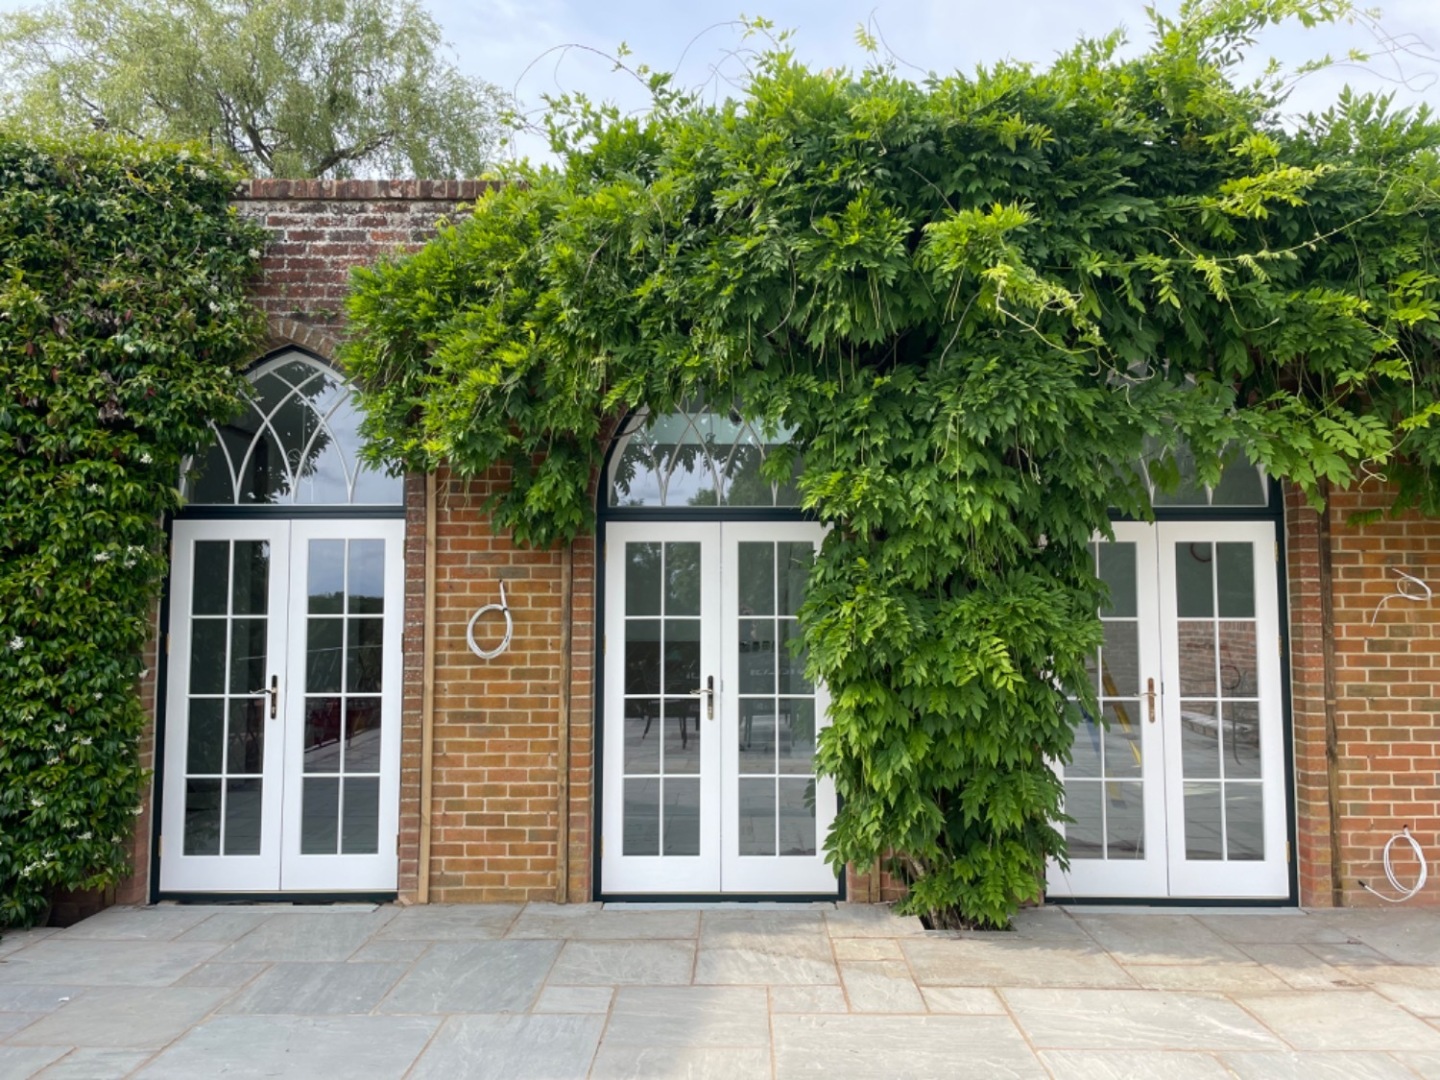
{"x": 1408, "y": 587}
{"x": 504, "y": 609}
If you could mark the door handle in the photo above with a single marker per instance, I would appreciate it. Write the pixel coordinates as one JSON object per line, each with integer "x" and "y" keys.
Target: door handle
{"x": 1149, "y": 696}
{"x": 273, "y": 691}
{"x": 709, "y": 691}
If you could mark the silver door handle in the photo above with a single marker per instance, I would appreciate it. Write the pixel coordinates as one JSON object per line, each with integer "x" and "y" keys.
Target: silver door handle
{"x": 709, "y": 691}
{"x": 273, "y": 691}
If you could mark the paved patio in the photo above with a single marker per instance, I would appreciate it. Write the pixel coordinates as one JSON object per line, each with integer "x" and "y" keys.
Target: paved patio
{"x": 543, "y": 993}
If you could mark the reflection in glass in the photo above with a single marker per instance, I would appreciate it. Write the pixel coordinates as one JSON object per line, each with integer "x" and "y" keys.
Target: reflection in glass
{"x": 796, "y": 808}
{"x": 365, "y": 585}
{"x": 324, "y": 651}
{"x": 1241, "y": 729}
{"x": 251, "y": 578}
{"x": 1122, "y": 738}
{"x": 642, "y": 579}
{"x": 1085, "y": 835}
{"x": 756, "y": 578}
{"x": 682, "y": 735}
{"x": 319, "y": 815}
{"x": 297, "y": 442}
{"x": 1244, "y": 822}
{"x": 1194, "y": 580}
{"x": 641, "y": 824}
{"x": 204, "y": 739}
{"x": 1085, "y": 750}
{"x": 790, "y": 656}
{"x": 1120, "y": 660}
{"x": 642, "y": 753}
{"x": 1203, "y": 839}
{"x": 245, "y": 754}
{"x": 364, "y": 655}
{"x": 757, "y": 735}
{"x": 756, "y": 647}
{"x": 325, "y": 577}
{"x": 202, "y": 817}
{"x": 1117, "y": 570}
{"x": 682, "y": 655}
{"x": 1235, "y": 572}
{"x": 211, "y": 577}
{"x": 247, "y": 654}
{"x": 1199, "y": 741}
{"x": 242, "y": 816}
{"x": 794, "y": 559}
{"x": 796, "y": 744}
{"x": 1124, "y": 820}
{"x": 207, "y": 656}
{"x": 362, "y": 735}
{"x": 1197, "y": 657}
{"x": 322, "y": 734}
{"x": 642, "y": 656}
{"x": 682, "y": 579}
{"x": 756, "y": 816}
{"x": 1239, "y": 675}
{"x": 682, "y": 817}
{"x": 360, "y": 825}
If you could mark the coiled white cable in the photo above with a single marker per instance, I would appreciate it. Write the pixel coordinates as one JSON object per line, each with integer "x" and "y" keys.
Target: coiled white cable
{"x": 1405, "y": 894}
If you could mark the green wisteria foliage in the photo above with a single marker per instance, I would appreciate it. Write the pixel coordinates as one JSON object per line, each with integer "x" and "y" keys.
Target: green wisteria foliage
{"x": 977, "y": 300}
{"x": 123, "y": 323}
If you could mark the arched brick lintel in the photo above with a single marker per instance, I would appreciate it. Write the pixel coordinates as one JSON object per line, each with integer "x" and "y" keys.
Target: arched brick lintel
{"x": 283, "y": 332}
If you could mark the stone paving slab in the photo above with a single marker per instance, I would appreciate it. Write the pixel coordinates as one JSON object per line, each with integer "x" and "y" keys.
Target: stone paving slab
{"x": 725, "y": 991}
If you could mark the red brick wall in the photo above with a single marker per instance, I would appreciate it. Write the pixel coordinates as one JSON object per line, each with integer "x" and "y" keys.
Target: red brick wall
{"x": 1387, "y": 702}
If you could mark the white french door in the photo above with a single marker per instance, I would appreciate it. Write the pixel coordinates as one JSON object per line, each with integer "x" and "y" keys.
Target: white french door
{"x": 282, "y": 740}
{"x": 710, "y": 724}
{"x": 1179, "y": 790}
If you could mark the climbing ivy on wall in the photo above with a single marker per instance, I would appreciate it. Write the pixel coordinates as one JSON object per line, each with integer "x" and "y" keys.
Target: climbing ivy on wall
{"x": 123, "y": 324}
{"x": 978, "y": 301}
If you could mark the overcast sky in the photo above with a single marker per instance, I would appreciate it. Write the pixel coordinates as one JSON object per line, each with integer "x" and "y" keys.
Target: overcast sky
{"x": 508, "y": 41}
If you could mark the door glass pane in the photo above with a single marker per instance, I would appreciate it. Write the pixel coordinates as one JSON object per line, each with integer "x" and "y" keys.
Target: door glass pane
{"x": 207, "y": 655}
{"x": 642, "y": 735}
{"x": 682, "y": 655}
{"x": 1117, "y": 571}
{"x": 365, "y": 581}
{"x": 322, "y": 734}
{"x": 797, "y": 816}
{"x": 324, "y": 653}
{"x": 360, "y": 826}
{"x": 245, "y": 749}
{"x": 1235, "y": 573}
{"x": 682, "y": 817}
{"x": 1197, "y": 657}
{"x": 319, "y": 815}
{"x": 1085, "y": 750}
{"x": 1122, "y": 738}
{"x": 1085, "y": 835}
{"x": 326, "y": 577}
{"x": 757, "y": 735}
{"x": 251, "y": 592}
{"x": 1241, "y": 733}
{"x": 242, "y": 816}
{"x": 1120, "y": 660}
{"x": 756, "y": 579}
{"x": 211, "y": 577}
{"x": 641, "y": 825}
{"x": 1203, "y": 829}
{"x": 1124, "y": 821}
{"x": 682, "y": 736}
{"x": 1239, "y": 676}
{"x": 795, "y": 739}
{"x": 642, "y": 656}
{"x": 1244, "y": 822}
{"x": 756, "y": 644}
{"x": 202, "y": 817}
{"x": 362, "y": 735}
{"x": 756, "y": 816}
{"x": 790, "y": 658}
{"x": 364, "y": 655}
{"x": 1194, "y": 580}
{"x": 642, "y": 579}
{"x": 682, "y": 579}
{"x": 1199, "y": 740}
{"x": 205, "y": 738}
{"x": 247, "y": 655}
{"x": 794, "y": 560}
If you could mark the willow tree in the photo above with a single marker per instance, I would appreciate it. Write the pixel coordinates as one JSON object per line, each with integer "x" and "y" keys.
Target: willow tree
{"x": 976, "y": 300}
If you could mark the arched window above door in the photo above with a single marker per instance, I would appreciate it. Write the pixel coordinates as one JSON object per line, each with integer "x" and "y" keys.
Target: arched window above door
{"x": 697, "y": 457}
{"x": 296, "y": 443}
{"x": 1241, "y": 484}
